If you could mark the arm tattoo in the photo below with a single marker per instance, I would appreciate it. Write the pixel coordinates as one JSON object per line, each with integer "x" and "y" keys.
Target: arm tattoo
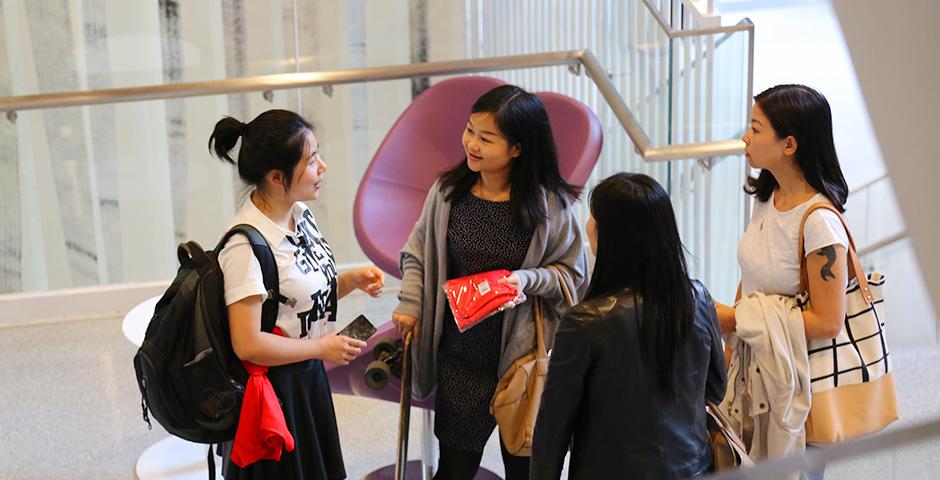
{"x": 830, "y": 254}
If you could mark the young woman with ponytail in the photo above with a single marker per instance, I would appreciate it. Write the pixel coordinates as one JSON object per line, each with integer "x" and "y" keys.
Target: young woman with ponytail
{"x": 279, "y": 158}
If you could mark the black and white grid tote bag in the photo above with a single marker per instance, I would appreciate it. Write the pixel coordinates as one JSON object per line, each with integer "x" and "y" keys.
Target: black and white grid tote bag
{"x": 853, "y": 389}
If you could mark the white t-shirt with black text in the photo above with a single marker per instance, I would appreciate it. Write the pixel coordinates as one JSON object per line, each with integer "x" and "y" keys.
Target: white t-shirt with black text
{"x": 306, "y": 271}
{"x": 768, "y": 253}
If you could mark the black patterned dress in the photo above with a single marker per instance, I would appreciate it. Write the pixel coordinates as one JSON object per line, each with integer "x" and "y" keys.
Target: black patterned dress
{"x": 481, "y": 236}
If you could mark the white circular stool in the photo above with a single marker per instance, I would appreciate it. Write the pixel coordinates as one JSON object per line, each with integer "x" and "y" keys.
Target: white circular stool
{"x": 171, "y": 458}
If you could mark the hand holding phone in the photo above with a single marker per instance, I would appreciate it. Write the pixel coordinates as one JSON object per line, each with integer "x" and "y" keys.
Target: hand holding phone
{"x": 360, "y": 329}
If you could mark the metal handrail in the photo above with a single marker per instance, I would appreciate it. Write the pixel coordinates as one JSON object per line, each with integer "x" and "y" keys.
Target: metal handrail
{"x": 659, "y": 17}
{"x": 891, "y": 240}
{"x": 692, "y": 32}
{"x": 884, "y": 242}
{"x": 283, "y": 81}
{"x": 818, "y": 458}
{"x": 574, "y": 60}
{"x": 744, "y": 24}
{"x": 868, "y": 184}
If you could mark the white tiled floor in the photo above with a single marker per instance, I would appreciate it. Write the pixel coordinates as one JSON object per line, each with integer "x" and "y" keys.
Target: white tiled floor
{"x": 71, "y": 409}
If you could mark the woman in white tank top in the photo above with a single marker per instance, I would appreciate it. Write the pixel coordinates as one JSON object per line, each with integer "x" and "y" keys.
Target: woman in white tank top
{"x": 790, "y": 142}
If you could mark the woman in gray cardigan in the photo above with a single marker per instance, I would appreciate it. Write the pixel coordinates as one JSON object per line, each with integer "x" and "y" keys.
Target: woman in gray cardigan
{"x": 505, "y": 206}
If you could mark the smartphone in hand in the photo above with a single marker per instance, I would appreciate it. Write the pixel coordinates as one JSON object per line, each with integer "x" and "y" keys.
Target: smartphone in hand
{"x": 360, "y": 329}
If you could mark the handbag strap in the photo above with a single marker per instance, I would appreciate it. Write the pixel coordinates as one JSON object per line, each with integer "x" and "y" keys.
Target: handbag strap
{"x": 566, "y": 293}
{"x": 539, "y": 326}
{"x": 855, "y": 266}
{"x": 727, "y": 429}
{"x": 540, "y": 351}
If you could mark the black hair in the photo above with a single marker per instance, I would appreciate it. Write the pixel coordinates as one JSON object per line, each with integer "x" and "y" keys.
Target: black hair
{"x": 638, "y": 248}
{"x": 523, "y": 121}
{"x": 804, "y": 113}
{"x": 274, "y": 140}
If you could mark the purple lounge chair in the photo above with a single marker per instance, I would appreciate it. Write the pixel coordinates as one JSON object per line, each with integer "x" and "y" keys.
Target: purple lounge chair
{"x": 424, "y": 142}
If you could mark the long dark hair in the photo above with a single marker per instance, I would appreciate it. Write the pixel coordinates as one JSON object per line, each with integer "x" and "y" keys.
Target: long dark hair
{"x": 274, "y": 140}
{"x": 804, "y": 113}
{"x": 521, "y": 118}
{"x": 638, "y": 248}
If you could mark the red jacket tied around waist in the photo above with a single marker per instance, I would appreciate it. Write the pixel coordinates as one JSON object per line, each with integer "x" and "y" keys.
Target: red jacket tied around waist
{"x": 262, "y": 431}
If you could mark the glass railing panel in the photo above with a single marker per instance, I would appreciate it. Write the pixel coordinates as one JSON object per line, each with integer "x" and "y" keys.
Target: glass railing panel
{"x": 681, "y": 90}
{"x": 103, "y": 194}
{"x": 179, "y": 42}
{"x": 84, "y": 178}
{"x": 880, "y": 235}
{"x": 84, "y": 154}
{"x": 627, "y": 41}
{"x": 710, "y": 213}
{"x": 140, "y": 42}
{"x": 710, "y": 102}
{"x": 910, "y": 311}
{"x": 873, "y": 214}
{"x": 95, "y": 197}
{"x": 136, "y": 42}
{"x": 711, "y": 87}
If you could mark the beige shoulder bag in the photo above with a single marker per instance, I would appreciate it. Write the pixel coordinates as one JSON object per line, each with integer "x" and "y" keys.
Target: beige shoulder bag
{"x": 515, "y": 404}
{"x": 853, "y": 389}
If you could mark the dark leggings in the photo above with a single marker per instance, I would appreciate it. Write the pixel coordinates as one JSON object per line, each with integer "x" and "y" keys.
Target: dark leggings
{"x": 462, "y": 465}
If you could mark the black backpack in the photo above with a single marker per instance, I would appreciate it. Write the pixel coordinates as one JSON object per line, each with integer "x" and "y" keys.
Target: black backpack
{"x": 189, "y": 376}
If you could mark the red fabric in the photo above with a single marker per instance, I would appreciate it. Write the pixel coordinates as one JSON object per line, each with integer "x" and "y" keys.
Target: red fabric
{"x": 262, "y": 431}
{"x": 475, "y": 297}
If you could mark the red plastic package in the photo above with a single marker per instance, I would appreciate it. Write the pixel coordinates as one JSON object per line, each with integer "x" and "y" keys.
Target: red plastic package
{"x": 479, "y": 296}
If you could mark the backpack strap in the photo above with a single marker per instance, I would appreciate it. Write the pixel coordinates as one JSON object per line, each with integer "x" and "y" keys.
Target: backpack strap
{"x": 210, "y": 460}
{"x": 269, "y": 275}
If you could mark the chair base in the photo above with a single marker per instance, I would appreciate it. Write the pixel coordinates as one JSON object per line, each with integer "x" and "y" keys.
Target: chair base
{"x": 414, "y": 473}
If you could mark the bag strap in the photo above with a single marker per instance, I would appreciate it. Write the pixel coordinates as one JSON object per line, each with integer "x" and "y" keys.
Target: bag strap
{"x": 855, "y": 266}
{"x": 727, "y": 429}
{"x": 210, "y": 460}
{"x": 262, "y": 251}
{"x": 539, "y": 327}
{"x": 566, "y": 293}
{"x": 539, "y": 318}
{"x": 191, "y": 253}
{"x": 540, "y": 351}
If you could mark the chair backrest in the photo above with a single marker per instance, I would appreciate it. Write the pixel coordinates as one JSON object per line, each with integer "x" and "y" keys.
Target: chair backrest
{"x": 578, "y": 136}
{"x": 425, "y": 141}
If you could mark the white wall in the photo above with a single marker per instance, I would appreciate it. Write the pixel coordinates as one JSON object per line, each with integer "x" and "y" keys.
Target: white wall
{"x": 802, "y": 41}
{"x": 894, "y": 50}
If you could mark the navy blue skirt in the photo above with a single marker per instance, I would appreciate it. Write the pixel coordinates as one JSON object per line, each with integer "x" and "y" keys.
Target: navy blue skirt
{"x": 304, "y": 392}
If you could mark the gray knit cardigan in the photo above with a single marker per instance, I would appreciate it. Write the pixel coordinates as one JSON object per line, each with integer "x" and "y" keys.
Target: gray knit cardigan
{"x": 556, "y": 242}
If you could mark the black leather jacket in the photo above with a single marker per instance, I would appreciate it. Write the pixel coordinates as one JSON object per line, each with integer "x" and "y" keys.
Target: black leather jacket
{"x": 602, "y": 399}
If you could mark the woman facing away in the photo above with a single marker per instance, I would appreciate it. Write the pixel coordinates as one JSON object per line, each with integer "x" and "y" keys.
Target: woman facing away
{"x": 505, "y": 206}
{"x": 633, "y": 363}
{"x": 790, "y": 141}
{"x": 280, "y": 158}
